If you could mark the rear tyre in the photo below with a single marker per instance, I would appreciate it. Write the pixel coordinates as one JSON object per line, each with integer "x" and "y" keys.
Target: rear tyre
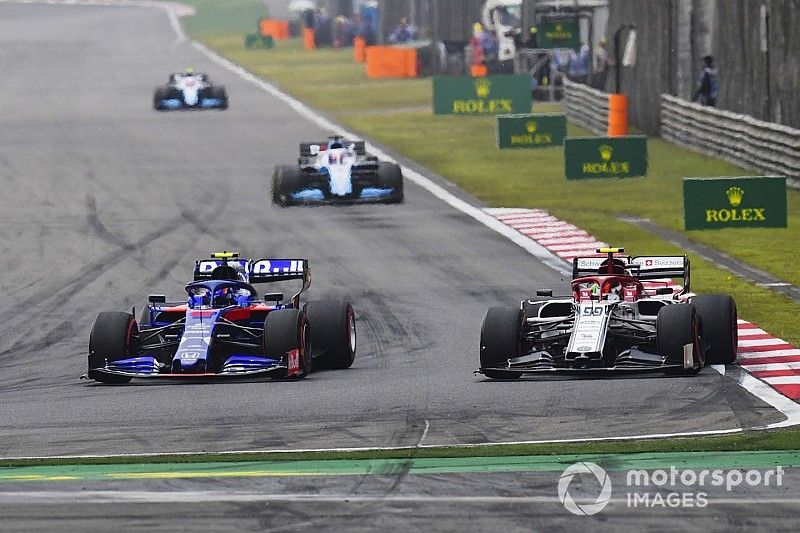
{"x": 676, "y": 326}
{"x": 501, "y": 339}
{"x": 285, "y": 181}
{"x": 114, "y": 336}
{"x": 391, "y": 177}
{"x": 720, "y": 328}
{"x": 286, "y": 330}
{"x": 333, "y": 330}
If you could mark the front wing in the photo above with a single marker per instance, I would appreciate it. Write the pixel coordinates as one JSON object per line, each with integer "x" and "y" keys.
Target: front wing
{"x": 637, "y": 362}
{"x": 206, "y": 376}
{"x": 315, "y": 196}
{"x": 176, "y": 104}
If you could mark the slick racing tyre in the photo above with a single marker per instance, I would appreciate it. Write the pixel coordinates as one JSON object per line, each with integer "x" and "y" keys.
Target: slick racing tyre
{"x": 333, "y": 333}
{"x": 501, "y": 339}
{"x": 390, "y": 176}
{"x": 676, "y": 326}
{"x": 159, "y": 96}
{"x": 114, "y": 336}
{"x": 220, "y": 93}
{"x": 285, "y": 181}
{"x": 720, "y": 329}
{"x": 286, "y": 330}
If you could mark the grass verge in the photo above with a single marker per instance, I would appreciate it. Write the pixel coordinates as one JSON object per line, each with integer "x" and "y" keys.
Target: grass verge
{"x": 777, "y": 440}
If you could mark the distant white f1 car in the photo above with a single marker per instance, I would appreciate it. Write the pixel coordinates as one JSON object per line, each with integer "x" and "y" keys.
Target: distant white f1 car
{"x": 189, "y": 90}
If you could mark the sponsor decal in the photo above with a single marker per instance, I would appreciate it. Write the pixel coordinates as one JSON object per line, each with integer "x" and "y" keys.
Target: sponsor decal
{"x": 294, "y": 362}
{"x": 750, "y": 201}
{"x": 605, "y": 157}
{"x": 494, "y": 95}
{"x": 735, "y": 196}
{"x": 531, "y": 130}
{"x": 605, "y": 166}
{"x": 277, "y": 266}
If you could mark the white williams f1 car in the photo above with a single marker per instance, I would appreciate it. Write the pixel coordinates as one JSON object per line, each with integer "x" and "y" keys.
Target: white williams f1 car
{"x": 189, "y": 90}
{"x": 624, "y": 314}
{"x": 338, "y": 171}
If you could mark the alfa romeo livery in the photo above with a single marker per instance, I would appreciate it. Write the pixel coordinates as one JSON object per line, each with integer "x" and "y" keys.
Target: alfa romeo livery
{"x": 623, "y": 314}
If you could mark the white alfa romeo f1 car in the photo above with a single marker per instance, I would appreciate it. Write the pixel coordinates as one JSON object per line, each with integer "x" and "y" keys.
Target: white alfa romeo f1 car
{"x": 624, "y": 314}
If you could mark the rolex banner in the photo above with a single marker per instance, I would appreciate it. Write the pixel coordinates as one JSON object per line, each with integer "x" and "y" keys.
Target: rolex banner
{"x": 559, "y": 34}
{"x": 746, "y": 202}
{"x": 465, "y": 95}
{"x": 605, "y": 157}
{"x": 531, "y": 130}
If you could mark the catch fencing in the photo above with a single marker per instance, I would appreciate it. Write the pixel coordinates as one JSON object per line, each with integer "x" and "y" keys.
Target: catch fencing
{"x": 741, "y": 139}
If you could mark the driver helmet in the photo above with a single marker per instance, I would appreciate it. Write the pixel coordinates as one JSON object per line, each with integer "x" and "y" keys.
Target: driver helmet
{"x": 224, "y": 297}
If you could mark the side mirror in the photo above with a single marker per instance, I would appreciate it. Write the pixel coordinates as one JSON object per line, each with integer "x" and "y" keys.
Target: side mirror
{"x": 663, "y": 290}
{"x": 273, "y": 297}
{"x": 157, "y": 299}
{"x": 544, "y": 292}
{"x": 313, "y": 149}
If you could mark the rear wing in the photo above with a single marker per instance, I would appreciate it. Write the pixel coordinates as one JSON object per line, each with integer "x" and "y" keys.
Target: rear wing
{"x": 271, "y": 270}
{"x": 305, "y": 148}
{"x": 204, "y": 268}
{"x": 644, "y": 267}
{"x": 261, "y": 271}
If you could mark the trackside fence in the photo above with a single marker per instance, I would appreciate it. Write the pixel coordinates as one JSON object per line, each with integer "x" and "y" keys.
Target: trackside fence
{"x": 740, "y": 139}
{"x": 586, "y": 107}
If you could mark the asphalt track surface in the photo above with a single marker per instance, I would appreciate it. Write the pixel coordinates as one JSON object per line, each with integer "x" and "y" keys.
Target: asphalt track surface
{"x": 519, "y": 501}
{"x": 105, "y": 200}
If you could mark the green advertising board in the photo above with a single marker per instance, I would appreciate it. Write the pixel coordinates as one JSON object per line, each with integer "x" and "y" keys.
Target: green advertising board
{"x": 465, "y": 95}
{"x": 531, "y": 130}
{"x": 727, "y": 202}
{"x": 605, "y": 157}
{"x": 559, "y": 34}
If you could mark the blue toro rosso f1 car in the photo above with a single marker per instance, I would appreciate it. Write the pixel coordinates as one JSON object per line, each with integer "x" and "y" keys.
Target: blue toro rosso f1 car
{"x": 224, "y": 329}
{"x": 189, "y": 90}
{"x": 338, "y": 171}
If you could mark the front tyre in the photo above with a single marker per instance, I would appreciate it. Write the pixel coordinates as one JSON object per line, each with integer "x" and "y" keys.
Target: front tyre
{"x": 720, "y": 327}
{"x": 285, "y": 337}
{"x": 218, "y": 92}
{"x": 333, "y": 330}
{"x": 285, "y": 181}
{"x": 391, "y": 177}
{"x": 501, "y": 340}
{"x": 676, "y": 326}
{"x": 114, "y": 336}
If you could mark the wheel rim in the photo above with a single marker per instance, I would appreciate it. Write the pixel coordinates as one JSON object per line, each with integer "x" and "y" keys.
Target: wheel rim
{"x": 351, "y": 327}
{"x": 698, "y": 342}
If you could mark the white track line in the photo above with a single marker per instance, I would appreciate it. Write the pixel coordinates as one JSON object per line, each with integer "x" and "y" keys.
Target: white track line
{"x": 756, "y": 387}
